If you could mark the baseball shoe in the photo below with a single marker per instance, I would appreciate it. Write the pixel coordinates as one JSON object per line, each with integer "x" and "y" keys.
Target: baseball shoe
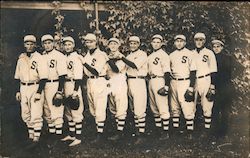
{"x": 140, "y": 139}
{"x": 75, "y": 142}
{"x": 189, "y": 135}
{"x": 164, "y": 135}
{"x": 67, "y": 138}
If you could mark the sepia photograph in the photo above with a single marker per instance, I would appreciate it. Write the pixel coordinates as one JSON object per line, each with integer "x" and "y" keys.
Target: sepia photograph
{"x": 138, "y": 79}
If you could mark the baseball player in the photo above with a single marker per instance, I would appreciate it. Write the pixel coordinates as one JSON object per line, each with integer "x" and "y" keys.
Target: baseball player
{"x": 183, "y": 70}
{"x": 118, "y": 98}
{"x": 159, "y": 74}
{"x": 205, "y": 77}
{"x": 95, "y": 68}
{"x": 57, "y": 70}
{"x": 72, "y": 88}
{"x": 136, "y": 63}
{"x": 31, "y": 73}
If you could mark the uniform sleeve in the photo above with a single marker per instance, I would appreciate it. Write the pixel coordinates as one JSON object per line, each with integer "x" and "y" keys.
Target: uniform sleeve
{"x": 212, "y": 63}
{"x": 78, "y": 68}
{"x": 101, "y": 60}
{"x": 62, "y": 65}
{"x": 140, "y": 60}
{"x": 17, "y": 71}
{"x": 42, "y": 67}
{"x": 121, "y": 65}
{"x": 165, "y": 63}
{"x": 192, "y": 61}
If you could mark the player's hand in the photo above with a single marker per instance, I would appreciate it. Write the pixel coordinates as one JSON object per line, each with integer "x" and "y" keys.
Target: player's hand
{"x": 18, "y": 96}
{"x": 74, "y": 95}
{"x": 163, "y": 91}
{"x": 59, "y": 95}
{"x": 189, "y": 95}
{"x": 37, "y": 97}
{"x": 211, "y": 93}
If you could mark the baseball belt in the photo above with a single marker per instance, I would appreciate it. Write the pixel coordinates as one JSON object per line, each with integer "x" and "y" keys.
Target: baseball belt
{"x": 140, "y": 77}
{"x": 203, "y": 76}
{"x": 154, "y": 76}
{"x": 29, "y": 83}
{"x": 69, "y": 80}
{"x": 56, "y": 80}
{"x": 94, "y": 77}
{"x": 180, "y": 79}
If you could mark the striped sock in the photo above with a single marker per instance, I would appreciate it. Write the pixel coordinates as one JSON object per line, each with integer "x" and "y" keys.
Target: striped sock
{"x": 190, "y": 124}
{"x": 136, "y": 122}
{"x": 176, "y": 121}
{"x": 100, "y": 126}
{"x": 120, "y": 124}
{"x": 52, "y": 128}
{"x": 37, "y": 132}
{"x": 31, "y": 132}
{"x": 78, "y": 129}
{"x": 165, "y": 124}
{"x": 207, "y": 122}
{"x": 142, "y": 124}
{"x": 158, "y": 121}
{"x": 59, "y": 129}
{"x": 72, "y": 128}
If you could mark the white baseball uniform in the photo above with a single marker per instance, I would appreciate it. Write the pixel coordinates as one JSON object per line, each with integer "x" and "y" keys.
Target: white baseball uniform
{"x": 206, "y": 64}
{"x": 56, "y": 66}
{"x": 75, "y": 72}
{"x": 29, "y": 70}
{"x": 181, "y": 63}
{"x": 97, "y": 86}
{"x": 118, "y": 93}
{"x": 137, "y": 89}
{"x": 158, "y": 64}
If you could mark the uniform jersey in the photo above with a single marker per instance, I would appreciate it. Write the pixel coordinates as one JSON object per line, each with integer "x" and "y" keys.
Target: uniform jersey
{"x": 121, "y": 67}
{"x": 182, "y": 62}
{"x": 205, "y": 62}
{"x": 74, "y": 66}
{"x": 30, "y": 69}
{"x": 56, "y": 64}
{"x": 97, "y": 60}
{"x": 139, "y": 58}
{"x": 158, "y": 63}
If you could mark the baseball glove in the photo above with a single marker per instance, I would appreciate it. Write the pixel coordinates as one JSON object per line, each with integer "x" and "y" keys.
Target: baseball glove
{"x": 163, "y": 91}
{"x": 72, "y": 102}
{"x": 210, "y": 94}
{"x": 57, "y": 99}
{"x": 189, "y": 96}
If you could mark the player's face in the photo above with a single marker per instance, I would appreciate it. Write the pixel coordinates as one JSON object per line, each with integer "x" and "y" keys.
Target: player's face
{"x": 29, "y": 46}
{"x": 68, "y": 46}
{"x": 133, "y": 45}
{"x": 90, "y": 44}
{"x": 113, "y": 46}
{"x": 48, "y": 45}
{"x": 199, "y": 42}
{"x": 156, "y": 43}
{"x": 179, "y": 43}
{"x": 217, "y": 48}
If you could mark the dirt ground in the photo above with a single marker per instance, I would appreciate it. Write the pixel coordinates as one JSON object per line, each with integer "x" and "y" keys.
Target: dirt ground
{"x": 235, "y": 144}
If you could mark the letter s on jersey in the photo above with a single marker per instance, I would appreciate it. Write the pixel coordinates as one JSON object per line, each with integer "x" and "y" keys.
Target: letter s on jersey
{"x": 184, "y": 59}
{"x": 204, "y": 58}
{"x": 33, "y": 65}
{"x": 70, "y": 65}
{"x": 156, "y": 61}
{"x": 52, "y": 63}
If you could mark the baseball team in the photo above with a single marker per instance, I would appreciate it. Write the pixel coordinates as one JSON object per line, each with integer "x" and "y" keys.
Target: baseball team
{"x": 50, "y": 83}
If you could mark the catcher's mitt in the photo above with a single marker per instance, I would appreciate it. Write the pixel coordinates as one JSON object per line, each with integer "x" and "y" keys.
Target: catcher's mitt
{"x": 57, "y": 99}
{"x": 189, "y": 96}
{"x": 163, "y": 91}
{"x": 72, "y": 102}
{"x": 210, "y": 94}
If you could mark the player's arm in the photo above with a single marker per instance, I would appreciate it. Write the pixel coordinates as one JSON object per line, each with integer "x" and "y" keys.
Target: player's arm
{"x": 61, "y": 83}
{"x": 129, "y": 63}
{"x": 78, "y": 73}
{"x": 41, "y": 86}
{"x": 91, "y": 69}
{"x": 17, "y": 81}
{"x": 213, "y": 69}
{"x": 113, "y": 66}
{"x": 192, "y": 78}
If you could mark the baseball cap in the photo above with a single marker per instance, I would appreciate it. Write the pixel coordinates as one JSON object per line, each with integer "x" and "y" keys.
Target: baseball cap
{"x": 134, "y": 39}
{"x": 90, "y": 37}
{"x": 157, "y": 36}
{"x": 199, "y": 35}
{"x": 180, "y": 37}
{"x": 29, "y": 38}
{"x": 217, "y": 41}
{"x": 114, "y": 40}
{"x": 47, "y": 37}
{"x": 68, "y": 38}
